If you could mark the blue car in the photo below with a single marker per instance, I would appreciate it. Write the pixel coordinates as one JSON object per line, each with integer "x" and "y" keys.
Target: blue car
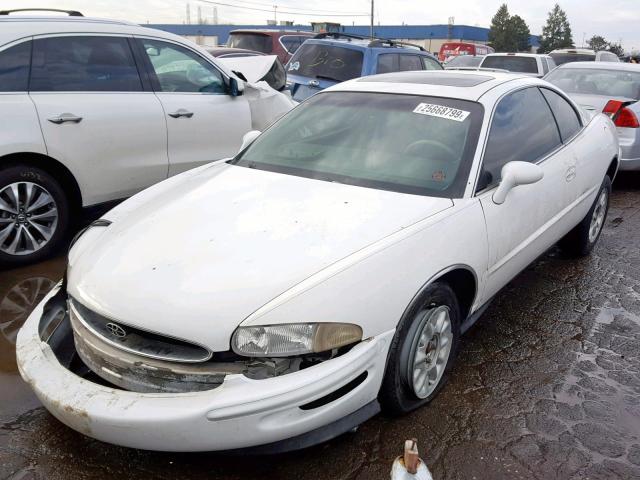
{"x": 330, "y": 58}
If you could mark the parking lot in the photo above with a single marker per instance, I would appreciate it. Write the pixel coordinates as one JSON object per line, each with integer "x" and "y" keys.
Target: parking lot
{"x": 547, "y": 386}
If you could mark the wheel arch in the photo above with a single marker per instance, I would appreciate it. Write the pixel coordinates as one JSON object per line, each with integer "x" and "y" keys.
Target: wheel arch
{"x": 52, "y": 166}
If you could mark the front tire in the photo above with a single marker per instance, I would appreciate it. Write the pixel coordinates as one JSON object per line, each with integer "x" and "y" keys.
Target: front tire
{"x": 423, "y": 351}
{"x": 580, "y": 241}
{"x": 34, "y": 215}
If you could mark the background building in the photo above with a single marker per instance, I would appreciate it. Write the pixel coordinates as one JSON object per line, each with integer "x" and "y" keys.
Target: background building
{"x": 431, "y": 37}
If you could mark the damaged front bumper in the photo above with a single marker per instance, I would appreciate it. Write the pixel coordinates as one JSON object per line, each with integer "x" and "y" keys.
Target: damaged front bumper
{"x": 281, "y": 413}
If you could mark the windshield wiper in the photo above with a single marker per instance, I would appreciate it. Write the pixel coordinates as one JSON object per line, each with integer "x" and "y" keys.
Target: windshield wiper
{"x": 325, "y": 77}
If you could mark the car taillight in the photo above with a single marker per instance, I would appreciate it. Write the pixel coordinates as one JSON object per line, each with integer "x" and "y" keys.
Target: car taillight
{"x": 621, "y": 115}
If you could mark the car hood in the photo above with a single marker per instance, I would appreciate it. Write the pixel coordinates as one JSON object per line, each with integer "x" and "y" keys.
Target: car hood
{"x": 195, "y": 259}
{"x": 254, "y": 67}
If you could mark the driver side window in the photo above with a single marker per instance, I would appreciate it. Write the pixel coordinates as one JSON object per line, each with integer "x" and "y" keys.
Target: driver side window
{"x": 522, "y": 129}
{"x": 178, "y": 69}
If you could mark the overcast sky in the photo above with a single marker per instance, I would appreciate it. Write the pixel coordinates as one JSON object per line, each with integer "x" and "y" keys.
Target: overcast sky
{"x": 614, "y": 19}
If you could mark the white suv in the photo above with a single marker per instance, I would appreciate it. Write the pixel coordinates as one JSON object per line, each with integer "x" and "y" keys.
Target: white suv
{"x": 96, "y": 110}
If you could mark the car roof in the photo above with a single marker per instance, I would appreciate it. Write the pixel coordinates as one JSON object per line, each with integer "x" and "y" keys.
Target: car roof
{"x": 627, "y": 67}
{"x": 517, "y": 55}
{"x": 580, "y": 51}
{"x": 466, "y": 85}
{"x": 366, "y": 44}
{"x": 16, "y": 27}
{"x": 268, "y": 31}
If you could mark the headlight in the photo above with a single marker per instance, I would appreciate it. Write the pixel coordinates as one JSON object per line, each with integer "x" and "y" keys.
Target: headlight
{"x": 293, "y": 339}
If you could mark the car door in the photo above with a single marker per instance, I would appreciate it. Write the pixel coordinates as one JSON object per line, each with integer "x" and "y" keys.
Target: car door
{"x": 529, "y": 221}
{"x": 95, "y": 115}
{"x": 204, "y": 122}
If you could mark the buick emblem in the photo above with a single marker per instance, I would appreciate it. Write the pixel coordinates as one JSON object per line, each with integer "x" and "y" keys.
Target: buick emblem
{"x": 116, "y": 330}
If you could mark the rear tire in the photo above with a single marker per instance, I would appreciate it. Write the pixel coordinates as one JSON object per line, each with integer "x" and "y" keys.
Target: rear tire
{"x": 34, "y": 215}
{"x": 419, "y": 360}
{"x": 580, "y": 241}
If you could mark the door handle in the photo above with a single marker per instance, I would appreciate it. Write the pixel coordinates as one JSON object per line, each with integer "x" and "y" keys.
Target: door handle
{"x": 181, "y": 113}
{"x": 65, "y": 117}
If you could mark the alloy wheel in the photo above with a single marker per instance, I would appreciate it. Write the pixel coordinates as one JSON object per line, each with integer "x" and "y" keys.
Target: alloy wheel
{"x": 28, "y": 218}
{"x": 598, "y": 216}
{"x": 430, "y": 353}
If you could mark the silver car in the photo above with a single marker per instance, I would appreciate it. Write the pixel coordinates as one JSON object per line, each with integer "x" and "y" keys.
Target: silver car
{"x": 612, "y": 88}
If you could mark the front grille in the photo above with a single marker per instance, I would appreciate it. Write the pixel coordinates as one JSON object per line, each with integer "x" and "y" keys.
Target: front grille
{"x": 146, "y": 375}
{"x": 137, "y": 341}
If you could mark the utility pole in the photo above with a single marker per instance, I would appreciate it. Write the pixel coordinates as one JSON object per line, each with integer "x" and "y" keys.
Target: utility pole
{"x": 275, "y": 14}
{"x": 371, "y": 29}
{"x": 188, "y": 14}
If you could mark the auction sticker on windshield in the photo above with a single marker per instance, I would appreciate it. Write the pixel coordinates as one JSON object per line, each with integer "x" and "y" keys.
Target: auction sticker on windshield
{"x": 441, "y": 112}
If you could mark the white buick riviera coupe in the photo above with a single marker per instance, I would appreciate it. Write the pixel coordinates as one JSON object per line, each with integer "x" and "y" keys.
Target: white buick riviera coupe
{"x": 279, "y": 298}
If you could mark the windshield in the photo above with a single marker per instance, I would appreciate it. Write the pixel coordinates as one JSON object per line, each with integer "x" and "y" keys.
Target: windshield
{"x": 326, "y": 62}
{"x": 404, "y": 143}
{"x": 512, "y": 63}
{"x": 561, "y": 58}
{"x": 609, "y": 83}
{"x": 250, "y": 41}
{"x": 464, "y": 61}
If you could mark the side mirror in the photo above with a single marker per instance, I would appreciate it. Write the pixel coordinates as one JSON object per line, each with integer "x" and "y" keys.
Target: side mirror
{"x": 514, "y": 174}
{"x": 249, "y": 137}
{"x": 234, "y": 90}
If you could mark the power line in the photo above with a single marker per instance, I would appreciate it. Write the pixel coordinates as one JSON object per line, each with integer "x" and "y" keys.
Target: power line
{"x": 269, "y": 5}
{"x": 287, "y": 12}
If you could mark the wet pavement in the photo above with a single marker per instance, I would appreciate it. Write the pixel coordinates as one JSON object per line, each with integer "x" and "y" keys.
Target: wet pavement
{"x": 547, "y": 386}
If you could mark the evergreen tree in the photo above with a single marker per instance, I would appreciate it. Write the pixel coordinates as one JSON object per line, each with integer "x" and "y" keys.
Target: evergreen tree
{"x": 520, "y": 34}
{"x": 500, "y": 29}
{"x": 617, "y": 49}
{"x": 597, "y": 43}
{"x": 557, "y": 32}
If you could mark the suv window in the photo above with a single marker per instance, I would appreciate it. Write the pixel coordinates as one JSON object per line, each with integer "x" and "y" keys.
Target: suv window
{"x": 14, "y": 68}
{"x": 522, "y": 129}
{"x": 431, "y": 64}
{"x": 83, "y": 64}
{"x": 398, "y": 62}
{"x": 178, "y": 69}
{"x": 395, "y": 62}
{"x": 327, "y": 62}
{"x": 251, "y": 41}
{"x": 566, "y": 116}
{"x": 512, "y": 63}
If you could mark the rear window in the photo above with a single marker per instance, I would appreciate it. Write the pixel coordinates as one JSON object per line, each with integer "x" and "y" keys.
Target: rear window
{"x": 464, "y": 61}
{"x": 512, "y": 63}
{"x": 609, "y": 83}
{"x": 326, "y": 62}
{"x": 250, "y": 41}
{"x": 561, "y": 58}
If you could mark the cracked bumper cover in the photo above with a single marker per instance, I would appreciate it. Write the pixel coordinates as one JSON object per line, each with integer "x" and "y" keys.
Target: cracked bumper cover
{"x": 240, "y": 413}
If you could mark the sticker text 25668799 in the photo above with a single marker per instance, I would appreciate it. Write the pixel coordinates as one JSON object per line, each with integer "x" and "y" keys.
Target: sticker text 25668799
{"x": 441, "y": 112}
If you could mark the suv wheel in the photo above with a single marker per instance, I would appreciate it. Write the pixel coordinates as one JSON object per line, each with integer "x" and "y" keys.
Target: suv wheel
{"x": 34, "y": 215}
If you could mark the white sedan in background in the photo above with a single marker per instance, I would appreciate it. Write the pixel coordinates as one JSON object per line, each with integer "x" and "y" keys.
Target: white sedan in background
{"x": 282, "y": 297}
{"x": 611, "y": 88}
